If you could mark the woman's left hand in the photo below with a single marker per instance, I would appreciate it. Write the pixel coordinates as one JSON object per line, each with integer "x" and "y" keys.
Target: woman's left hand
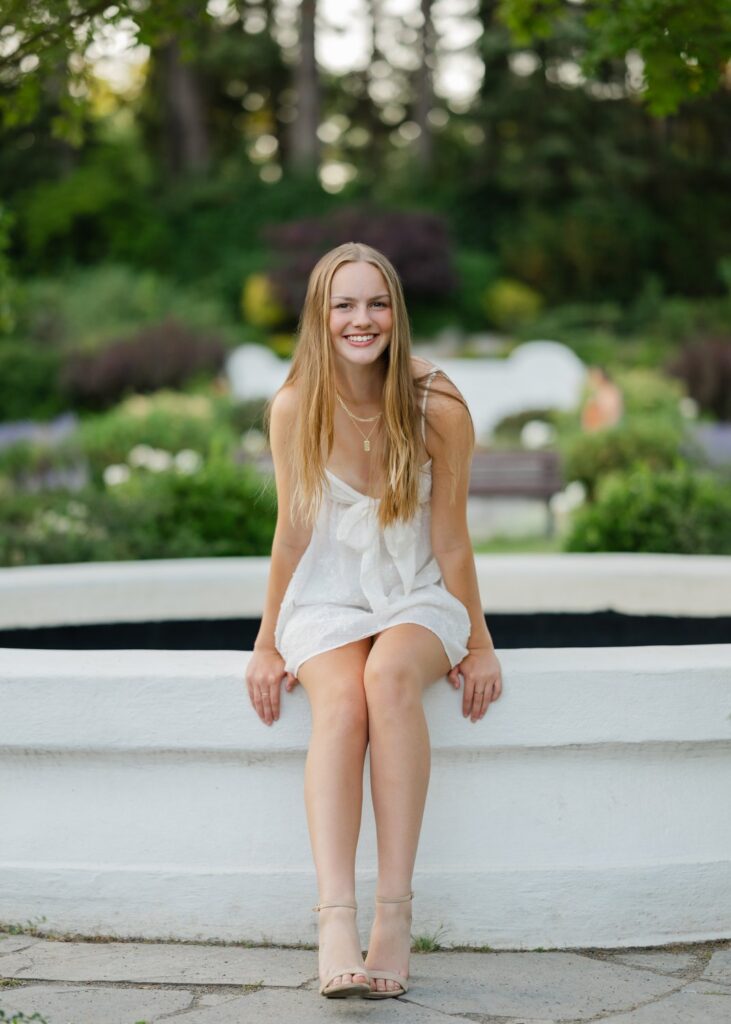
{"x": 482, "y": 680}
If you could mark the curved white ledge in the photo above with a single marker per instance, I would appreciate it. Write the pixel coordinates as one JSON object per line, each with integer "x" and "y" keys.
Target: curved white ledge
{"x": 225, "y": 588}
{"x": 144, "y": 797}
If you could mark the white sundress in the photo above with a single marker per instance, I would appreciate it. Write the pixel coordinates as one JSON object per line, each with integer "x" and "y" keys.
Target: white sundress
{"x": 355, "y": 578}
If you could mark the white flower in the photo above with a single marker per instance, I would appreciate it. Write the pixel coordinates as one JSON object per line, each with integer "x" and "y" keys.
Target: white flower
{"x": 75, "y": 508}
{"x": 573, "y": 495}
{"x": 253, "y": 441}
{"x": 116, "y": 474}
{"x": 688, "y": 407}
{"x": 139, "y": 455}
{"x": 536, "y": 434}
{"x": 159, "y": 460}
{"x": 188, "y": 461}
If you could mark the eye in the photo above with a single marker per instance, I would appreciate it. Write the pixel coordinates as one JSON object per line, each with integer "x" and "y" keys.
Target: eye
{"x": 378, "y": 302}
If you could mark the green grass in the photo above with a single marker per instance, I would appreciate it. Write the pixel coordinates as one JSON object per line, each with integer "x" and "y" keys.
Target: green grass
{"x": 506, "y": 544}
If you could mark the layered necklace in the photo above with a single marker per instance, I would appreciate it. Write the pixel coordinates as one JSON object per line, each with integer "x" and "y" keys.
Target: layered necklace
{"x": 360, "y": 419}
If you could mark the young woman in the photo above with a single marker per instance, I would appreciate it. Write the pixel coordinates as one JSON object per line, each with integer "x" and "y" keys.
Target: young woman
{"x": 372, "y": 593}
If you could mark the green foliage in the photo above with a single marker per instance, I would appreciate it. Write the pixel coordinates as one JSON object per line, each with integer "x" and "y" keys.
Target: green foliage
{"x": 7, "y": 316}
{"x": 168, "y": 420}
{"x": 85, "y": 308}
{"x": 650, "y": 393}
{"x": 221, "y": 510}
{"x": 675, "y": 510}
{"x": 476, "y": 271}
{"x": 21, "y": 1018}
{"x": 510, "y": 304}
{"x": 29, "y": 382}
{"x": 590, "y": 456}
{"x": 684, "y": 46}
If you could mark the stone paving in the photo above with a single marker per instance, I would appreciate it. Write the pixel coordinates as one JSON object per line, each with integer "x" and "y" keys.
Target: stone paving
{"x": 114, "y": 982}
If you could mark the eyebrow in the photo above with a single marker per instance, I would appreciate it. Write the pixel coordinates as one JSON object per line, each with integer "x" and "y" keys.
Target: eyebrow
{"x": 383, "y": 295}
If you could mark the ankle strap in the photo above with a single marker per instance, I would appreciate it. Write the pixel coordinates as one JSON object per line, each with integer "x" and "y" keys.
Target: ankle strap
{"x": 394, "y": 899}
{"x": 322, "y": 906}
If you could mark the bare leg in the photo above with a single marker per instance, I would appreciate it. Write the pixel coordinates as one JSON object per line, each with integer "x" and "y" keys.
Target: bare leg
{"x": 404, "y": 660}
{"x": 334, "y": 793}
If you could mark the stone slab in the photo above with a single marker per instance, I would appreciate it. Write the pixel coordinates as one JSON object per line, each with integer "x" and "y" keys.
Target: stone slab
{"x": 172, "y": 963}
{"x": 14, "y": 944}
{"x": 94, "y": 1004}
{"x": 309, "y": 1007}
{"x": 719, "y": 967}
{"x": 536, "y": 985}
{"x": 694, "y": 1004}
{"x": 678, "y": 964}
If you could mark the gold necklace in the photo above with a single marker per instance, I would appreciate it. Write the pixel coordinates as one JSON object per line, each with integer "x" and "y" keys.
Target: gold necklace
{"x": 363, "y": 419}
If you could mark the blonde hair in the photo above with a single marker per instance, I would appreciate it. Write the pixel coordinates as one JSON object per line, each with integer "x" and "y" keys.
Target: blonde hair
{"x": 312, "y": 365}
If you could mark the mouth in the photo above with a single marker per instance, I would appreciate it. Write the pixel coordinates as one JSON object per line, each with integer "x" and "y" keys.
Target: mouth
{"x": 360, "y": 340}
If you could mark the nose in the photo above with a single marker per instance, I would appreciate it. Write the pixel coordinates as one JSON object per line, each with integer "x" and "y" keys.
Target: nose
{"x": 361, "y": 317}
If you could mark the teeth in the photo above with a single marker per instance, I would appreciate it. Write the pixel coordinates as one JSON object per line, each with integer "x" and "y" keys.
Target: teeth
{"x": 360, "y": 337}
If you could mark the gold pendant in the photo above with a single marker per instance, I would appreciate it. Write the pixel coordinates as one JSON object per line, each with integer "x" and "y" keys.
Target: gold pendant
{"x": 366, "y": 445}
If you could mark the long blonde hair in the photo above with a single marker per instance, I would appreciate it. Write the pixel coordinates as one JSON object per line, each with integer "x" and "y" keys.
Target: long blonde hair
{"x": 312, "y": 364}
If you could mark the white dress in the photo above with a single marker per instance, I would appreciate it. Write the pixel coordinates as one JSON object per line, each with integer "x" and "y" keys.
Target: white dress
{"x": 355, "y": 578}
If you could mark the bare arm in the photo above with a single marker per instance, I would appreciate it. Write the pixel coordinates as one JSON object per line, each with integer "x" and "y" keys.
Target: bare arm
{"x": 451, "y": 543}
{"x": 451, "y": 453}
{"x": 290, "y": 539}
{"x": 266, "y": 666}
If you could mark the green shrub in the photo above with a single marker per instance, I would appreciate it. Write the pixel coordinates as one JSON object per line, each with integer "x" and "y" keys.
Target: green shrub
{"x": 590, "y": 456}
{"x": 165, "y": 419}
{"x": 648, "y": 392}
{"x": 510, "y": 304}
{"x": 220, "y": 510}
{"x": 677, "y": 510}
{"x": 476, "y": 271}
{"x": 508, "y": 430}
{"x": 29, "y": 382}
{"x": 85, "y": 308}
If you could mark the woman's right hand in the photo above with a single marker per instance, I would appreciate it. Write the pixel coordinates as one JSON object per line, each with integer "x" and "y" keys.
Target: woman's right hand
{"x": 263, "y": 679}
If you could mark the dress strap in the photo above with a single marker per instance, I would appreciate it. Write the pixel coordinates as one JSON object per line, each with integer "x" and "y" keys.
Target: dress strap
{"x": 429, "y": 379}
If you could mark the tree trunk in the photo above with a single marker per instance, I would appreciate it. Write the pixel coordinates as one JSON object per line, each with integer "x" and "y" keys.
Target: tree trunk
{"x": 304, "y": 144}
{"x": 188, "y": 145}
{"x": 424, "y": 92}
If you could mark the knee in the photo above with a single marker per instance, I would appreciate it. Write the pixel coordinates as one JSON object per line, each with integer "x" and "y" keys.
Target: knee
{"x": 391, "y": 689}
{"x": 342, "y": 710}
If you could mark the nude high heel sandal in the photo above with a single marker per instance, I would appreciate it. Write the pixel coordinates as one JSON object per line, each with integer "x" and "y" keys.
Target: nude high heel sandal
{"x": 389, "y": 975}
{"x": 354, "y": 988}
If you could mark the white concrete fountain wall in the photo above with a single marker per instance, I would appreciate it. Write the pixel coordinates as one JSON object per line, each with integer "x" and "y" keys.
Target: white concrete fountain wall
{"x": 140, "y": 795}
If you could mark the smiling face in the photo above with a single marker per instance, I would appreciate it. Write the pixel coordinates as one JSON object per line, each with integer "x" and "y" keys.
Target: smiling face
{"x": 361, "y": 316}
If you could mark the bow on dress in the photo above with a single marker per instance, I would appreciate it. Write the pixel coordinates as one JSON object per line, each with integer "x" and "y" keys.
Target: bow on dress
{"x": 359, "y": 529}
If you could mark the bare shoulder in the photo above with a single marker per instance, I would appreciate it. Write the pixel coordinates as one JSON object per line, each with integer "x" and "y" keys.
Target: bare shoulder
{"x": 449, "y": 427}
{"x": 284, "y": 405}
{"x": 420, "y": 366}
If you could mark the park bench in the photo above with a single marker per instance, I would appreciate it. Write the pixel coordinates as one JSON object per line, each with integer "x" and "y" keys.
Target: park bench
{"x": 517, "y": 473}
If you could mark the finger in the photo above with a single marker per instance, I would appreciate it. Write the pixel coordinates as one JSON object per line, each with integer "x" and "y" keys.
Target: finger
{"x": 485, "y": 702}
{"x": 267, "y": 706}
{"x": 258, "y": 704}
{"x": 274, "y": 699}
{"x": 467, "y": 694}
{"x": 476, "y": 705}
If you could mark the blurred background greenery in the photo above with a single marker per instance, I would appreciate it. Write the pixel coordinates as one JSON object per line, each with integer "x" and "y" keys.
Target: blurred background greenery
{"x": 170, "y": 172}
